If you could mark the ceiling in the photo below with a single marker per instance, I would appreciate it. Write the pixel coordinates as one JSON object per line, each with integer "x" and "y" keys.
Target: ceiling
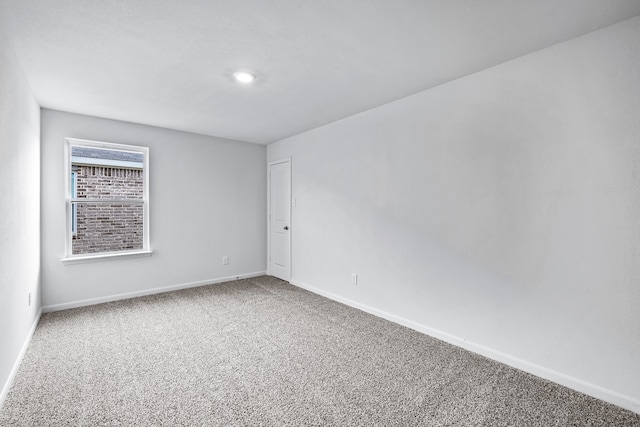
{"x": 169, "y": 63}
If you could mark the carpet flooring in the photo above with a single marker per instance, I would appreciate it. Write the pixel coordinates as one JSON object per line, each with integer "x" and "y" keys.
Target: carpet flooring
{"x": 262, "y": 352}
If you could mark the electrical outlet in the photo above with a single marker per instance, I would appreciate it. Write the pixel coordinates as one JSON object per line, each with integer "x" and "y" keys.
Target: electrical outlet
{"x": 225, "y": 260}
{"x": 354, "y": 279}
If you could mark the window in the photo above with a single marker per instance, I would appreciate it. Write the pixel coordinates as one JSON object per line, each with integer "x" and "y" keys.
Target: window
{"x": 107, "y": 200}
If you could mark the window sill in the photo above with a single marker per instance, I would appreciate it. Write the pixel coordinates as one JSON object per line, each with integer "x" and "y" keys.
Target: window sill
{"x": 78, "y": 259}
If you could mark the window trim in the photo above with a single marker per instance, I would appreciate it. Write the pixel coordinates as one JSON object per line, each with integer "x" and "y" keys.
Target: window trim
{"x": 69, "y": 257}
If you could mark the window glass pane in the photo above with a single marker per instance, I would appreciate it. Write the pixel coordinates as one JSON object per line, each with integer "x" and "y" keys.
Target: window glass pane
{"x": 108, "y": 227}
{"x": 107, "y": 173}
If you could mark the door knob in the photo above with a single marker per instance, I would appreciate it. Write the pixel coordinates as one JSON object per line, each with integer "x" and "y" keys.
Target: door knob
{"x": 286, "y": 227}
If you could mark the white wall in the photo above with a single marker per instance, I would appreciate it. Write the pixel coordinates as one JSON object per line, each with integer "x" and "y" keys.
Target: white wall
{"x": 207, "y": 200}
{"x": 500, "y": 211}
{"x": 19, "y": 213}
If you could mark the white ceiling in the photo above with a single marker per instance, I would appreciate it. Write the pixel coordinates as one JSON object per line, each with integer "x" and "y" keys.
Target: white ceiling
{"x": 169, "y": 63}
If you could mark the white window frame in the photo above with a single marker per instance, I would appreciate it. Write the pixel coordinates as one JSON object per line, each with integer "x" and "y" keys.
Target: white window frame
{"x": 78, "y": 258}
{"x": 74, "y": 208}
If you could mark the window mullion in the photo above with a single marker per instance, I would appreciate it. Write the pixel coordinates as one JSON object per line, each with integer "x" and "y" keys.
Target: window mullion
{"x": 106, "y": 201}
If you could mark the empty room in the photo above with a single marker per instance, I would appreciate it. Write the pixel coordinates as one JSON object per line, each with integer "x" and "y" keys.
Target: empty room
{"x": 341, "y": 212}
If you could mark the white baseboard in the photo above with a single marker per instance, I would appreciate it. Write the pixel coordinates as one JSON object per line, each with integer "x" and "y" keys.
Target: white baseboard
{"x": 16, "y": 365}
{"x": 585, "y": 387}
{"x": 109, "y": 298}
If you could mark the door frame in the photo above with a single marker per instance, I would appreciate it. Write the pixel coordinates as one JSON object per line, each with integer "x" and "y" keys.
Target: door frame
{"x": 275, "y": 162}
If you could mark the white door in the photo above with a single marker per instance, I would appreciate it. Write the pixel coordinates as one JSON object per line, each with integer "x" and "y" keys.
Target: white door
{"x": 280, "y": 219}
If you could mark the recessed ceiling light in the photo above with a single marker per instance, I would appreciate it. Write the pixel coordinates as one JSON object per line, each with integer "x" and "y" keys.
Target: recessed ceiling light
{"x": 244, "y": 77}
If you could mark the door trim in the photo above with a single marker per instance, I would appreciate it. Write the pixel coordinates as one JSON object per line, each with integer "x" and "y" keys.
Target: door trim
{"x": 275, "y": 162}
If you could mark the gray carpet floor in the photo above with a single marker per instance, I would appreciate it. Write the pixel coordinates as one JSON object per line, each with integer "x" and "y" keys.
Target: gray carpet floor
{"x": 263, "y": 352}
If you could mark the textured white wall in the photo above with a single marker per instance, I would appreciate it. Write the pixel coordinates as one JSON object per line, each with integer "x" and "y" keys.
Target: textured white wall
{"x": 207, "y": 200}
{"x": 501, "y": 211}
{"x": 19, "y": 211}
